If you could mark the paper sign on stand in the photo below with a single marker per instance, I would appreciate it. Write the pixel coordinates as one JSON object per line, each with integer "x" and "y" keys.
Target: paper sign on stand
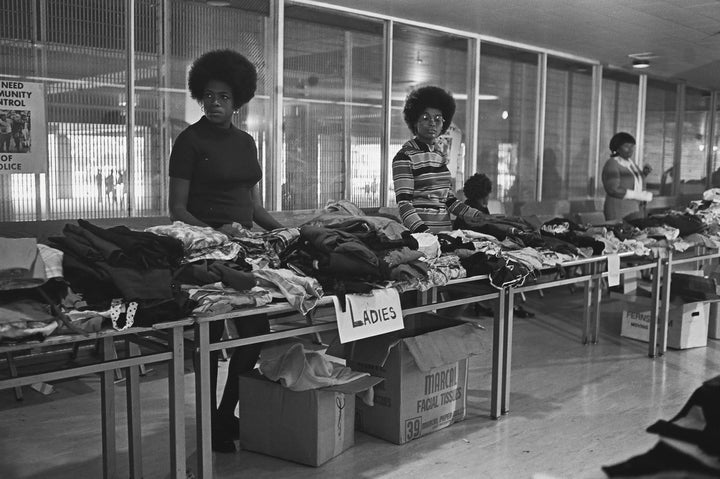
{"x": 613, "y": 261}
{"x": 367, "y": 315}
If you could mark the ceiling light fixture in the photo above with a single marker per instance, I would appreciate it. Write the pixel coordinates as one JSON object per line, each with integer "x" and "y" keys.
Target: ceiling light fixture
{"x": 218, "y": 3}
{"x": 641, "y": 63}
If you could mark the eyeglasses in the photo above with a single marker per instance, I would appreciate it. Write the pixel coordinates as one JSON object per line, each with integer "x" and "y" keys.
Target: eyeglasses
{"x": 212, "y": 97}
{"x": 426, "y": 117}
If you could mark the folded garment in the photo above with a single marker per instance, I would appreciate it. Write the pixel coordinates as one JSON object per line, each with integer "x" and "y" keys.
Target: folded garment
{"x": 301, "y": 370}
{"x": 17, "y": 256}
{"x": 53, "y": 259}
{"x": 24, "y": 318}
{"x": 21, "y": 266}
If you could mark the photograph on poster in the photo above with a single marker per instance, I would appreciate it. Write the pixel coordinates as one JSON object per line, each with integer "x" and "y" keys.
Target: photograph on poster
{"x": 15, "y": 131}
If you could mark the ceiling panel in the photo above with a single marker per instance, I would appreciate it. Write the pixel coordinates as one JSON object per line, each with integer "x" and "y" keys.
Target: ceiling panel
{"x": 685, "y": 34}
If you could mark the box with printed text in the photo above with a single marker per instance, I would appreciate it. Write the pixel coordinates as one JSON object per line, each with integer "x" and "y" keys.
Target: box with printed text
{"x": 687, "y": 322}
{"x": 425, "y": 367}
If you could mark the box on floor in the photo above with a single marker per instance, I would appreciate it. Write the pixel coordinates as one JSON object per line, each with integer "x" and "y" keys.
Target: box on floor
{"x": 687, "y": 322}
{"x": 425, "y": 367}
{"x": 310, "y": 427}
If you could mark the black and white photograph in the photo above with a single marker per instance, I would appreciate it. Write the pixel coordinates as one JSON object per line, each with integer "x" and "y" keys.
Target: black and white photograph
{"x": 362, "y": 239}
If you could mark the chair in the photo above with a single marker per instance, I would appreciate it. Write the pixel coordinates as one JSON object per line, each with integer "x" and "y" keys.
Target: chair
{"x": 496, "y": 207}
{"x": 590, "y": 218}
{"x": 546, "y": 210}
{"x": 661, "y": 204}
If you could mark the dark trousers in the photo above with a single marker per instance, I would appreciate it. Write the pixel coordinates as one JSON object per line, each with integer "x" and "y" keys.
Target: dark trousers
{"x": 243, "y": 359}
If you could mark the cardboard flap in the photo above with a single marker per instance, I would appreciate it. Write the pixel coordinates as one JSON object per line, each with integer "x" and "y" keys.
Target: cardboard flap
{"x": 373, "y": 350}
{"x": 354, "y": 387}
{"x": 446, "y": 346}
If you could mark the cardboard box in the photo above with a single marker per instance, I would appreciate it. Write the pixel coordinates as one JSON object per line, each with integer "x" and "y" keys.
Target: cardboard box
{"x": 693, "y": 286}
{"x": 309, "y": 427}
{"x": 687, "y": 322}
{"x": 425, "y": 367}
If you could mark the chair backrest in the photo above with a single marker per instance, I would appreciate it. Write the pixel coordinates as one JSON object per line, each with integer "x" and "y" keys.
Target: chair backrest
{"x": 556, "y": 208}
{"x": 590, "y": 217}
{"x": 662, "y": 202}
{"x": 587, "y": 205}
{"x": 496, "y": 207}
{"x": 539, "y": 212}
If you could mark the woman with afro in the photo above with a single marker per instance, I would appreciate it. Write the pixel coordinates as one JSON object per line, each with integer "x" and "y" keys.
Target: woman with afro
{"x": 420, "y": 173}
{"x": 214, "y": 175}
{"x": 624, "y": 182}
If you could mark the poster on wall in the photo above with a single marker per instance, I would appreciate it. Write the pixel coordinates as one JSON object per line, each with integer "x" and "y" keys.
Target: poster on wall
{"x": 23, "y": 135}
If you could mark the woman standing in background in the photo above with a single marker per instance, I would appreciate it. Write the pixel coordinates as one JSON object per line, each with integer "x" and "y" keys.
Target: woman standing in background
{"x": 623, "y": 180}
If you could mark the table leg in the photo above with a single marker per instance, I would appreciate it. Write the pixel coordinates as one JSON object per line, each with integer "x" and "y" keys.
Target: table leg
{"x": 596, "y": 299}
{"x": 202, "y": 400}
{"x": 176, "y": 386}
{"x": 655, "y": 307}
{"x": 664, "y": 306}
{"x": 587, "y": 302}
{"x": 507, "y": 351}
{"x": 496, "y": 387}
{"x": 13, "y": 374}
{"x": 132, "y": 389}
{"x": 107, "y": 399}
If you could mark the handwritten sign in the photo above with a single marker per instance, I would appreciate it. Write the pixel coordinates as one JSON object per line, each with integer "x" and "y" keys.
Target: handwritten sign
{"x": 367, "y": 315}
{"x": 23, "y": 131}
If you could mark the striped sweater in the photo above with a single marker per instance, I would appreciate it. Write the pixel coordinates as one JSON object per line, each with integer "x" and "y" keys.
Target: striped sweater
{"x": 422, "y": 189}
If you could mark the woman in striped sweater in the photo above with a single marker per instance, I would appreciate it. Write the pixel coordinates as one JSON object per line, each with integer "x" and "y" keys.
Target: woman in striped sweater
{"x": 420, "y": 172}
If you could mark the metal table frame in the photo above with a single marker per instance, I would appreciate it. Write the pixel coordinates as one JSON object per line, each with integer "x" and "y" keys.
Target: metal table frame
{"x": 106, "y": 365}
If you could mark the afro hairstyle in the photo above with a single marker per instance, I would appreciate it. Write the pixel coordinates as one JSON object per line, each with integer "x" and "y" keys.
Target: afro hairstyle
{"x": 428, "y": 97}
{"x": 478, "y": 186}
{"x": 227, "y": 66}
{"x": 620, "y": 139}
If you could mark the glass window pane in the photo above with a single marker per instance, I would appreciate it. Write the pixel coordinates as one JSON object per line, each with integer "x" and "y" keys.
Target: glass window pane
{"x": 85, "y": 107}
{"x": 423, "y": 57}
{"x": 618, "y": 111}
{"x": 715, "y": 166}
{"x": 506, "y": 129}
{"x": 197, "y": 28}
{"x": 567, "y": 170}
{"x": 693, "y": 163}
{"x": 17, "y": 58}
{"x": 332, "y": 113}
{"x": 659, "y": 148}
{"x": 86, "y": 100}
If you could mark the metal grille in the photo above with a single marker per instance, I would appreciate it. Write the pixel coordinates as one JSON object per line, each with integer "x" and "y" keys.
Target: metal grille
{"x": 17, "y": 191}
